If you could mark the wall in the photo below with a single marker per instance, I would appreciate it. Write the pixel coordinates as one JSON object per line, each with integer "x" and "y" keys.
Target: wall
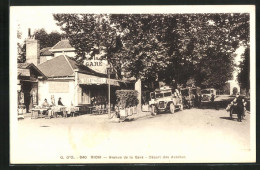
{"x": 233, "y": 84}
{"x": 45, "y": 58}
{"x": 226, "y": 89}
{"x": 68, "y": 53}
{"x": 46, "y": 88}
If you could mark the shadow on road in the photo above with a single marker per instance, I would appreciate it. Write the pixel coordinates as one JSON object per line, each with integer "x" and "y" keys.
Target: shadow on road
{"x": 228, "y": 118}
{"x": 140, "y": 118}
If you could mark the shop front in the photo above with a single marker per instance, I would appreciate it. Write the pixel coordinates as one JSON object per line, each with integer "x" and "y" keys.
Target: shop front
{"x": 94, "y": 90}
{"x": 27, "y": 83}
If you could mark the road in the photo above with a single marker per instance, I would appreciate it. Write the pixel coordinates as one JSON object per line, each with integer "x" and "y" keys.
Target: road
{"x": 200, "y": 132}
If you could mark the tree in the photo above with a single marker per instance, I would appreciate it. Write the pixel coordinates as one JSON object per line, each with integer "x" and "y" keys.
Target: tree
{"x": 244, "y": 74}
{"x": 144, "y": 54}
{"x": 47, "y": 40}
{"x": 21, "y": 48}
{"x": 92, "y": 35}
{"x": 166, "y": 47}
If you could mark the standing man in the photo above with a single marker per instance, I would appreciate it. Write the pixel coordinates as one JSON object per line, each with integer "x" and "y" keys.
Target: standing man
{"x": 199, "y": 100}
{"x": 239, "y": 107}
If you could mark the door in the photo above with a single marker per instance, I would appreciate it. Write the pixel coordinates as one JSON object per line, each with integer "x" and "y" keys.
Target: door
{"x": 26, "y": 88}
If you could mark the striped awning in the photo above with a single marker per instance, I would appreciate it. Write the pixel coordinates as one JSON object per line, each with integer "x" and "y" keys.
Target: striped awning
{"x": 95, "y": 80}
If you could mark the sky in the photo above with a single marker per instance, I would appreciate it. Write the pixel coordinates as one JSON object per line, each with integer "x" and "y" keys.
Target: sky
{"x": 40, "y": 20}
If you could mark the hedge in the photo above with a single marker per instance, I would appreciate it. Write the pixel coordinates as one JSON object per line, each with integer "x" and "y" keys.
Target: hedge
{"x": 126, "y": 98}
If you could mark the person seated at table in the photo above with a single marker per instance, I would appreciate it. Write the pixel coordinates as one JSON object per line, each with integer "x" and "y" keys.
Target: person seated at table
{"x": 59, "y": 102}
{"x": 45, "y": 103}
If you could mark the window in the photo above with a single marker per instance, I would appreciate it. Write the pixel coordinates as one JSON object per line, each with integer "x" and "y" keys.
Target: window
{"x": 167, "y": 94}
{"x": 159, "y": 95}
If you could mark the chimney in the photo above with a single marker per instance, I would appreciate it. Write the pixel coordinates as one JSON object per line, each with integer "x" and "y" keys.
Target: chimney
{"x": 32, "y": 50}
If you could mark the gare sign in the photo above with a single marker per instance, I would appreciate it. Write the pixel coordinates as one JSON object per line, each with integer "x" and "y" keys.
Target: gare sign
{"x": 99, "y": 66}
{"x": 94, "y": 63}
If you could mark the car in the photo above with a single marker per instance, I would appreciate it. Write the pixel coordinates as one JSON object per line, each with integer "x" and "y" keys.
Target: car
{"x": 163, "y": 100}
{"x": 208, "y": 95}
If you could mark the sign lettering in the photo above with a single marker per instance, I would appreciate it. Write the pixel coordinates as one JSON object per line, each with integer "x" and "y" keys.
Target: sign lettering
{"x": 94, "y": 63}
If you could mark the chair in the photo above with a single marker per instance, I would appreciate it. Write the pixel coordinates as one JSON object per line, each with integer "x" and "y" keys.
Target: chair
{"x": 94, "y": 110}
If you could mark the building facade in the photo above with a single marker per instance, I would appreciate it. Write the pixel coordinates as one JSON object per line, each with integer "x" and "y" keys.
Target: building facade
{"x": 77, "y": 85}
{"x": 27, "y": 82}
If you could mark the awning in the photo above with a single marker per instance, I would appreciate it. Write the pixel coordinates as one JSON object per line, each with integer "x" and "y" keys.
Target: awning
{"x": 94, "y": 80}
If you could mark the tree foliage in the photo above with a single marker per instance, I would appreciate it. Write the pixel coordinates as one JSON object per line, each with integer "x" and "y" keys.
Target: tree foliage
{"x": 244, "y": 74}
{"x": 159, "y": 46}
{"x": 47, "y": 40}
{"x": 21, "y": 48}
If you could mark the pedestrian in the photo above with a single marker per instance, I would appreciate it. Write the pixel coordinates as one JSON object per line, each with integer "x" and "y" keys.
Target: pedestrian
{"x": 199, "y": 100}
{"x": 244, "y": 108}
{"x": 238, "y": 107}
{"x": 45, "y": 104}
{"x": 212, "y": 98}
{"x": 59, "y": 102}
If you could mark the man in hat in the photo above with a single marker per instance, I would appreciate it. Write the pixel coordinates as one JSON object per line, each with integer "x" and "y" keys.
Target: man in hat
{"x": 239, "y": 107}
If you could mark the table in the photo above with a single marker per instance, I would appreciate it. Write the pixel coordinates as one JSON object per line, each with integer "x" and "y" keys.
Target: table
{"x": 56, "y": 109}
{"x": 35, "y": 112}
{"x": 72, "y": 110}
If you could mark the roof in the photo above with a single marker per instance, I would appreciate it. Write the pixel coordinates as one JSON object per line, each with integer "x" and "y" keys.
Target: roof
{"x": 64, "y": 66}
{"x": 62, "y": 44}
{"x": 29, "y": 66}
{"x": 23, "y": 65}
{"x": 56, "y": 67}
{"x": 45, "y": 51}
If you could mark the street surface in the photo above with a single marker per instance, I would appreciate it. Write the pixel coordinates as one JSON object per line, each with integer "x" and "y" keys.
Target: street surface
{"x": 186, "y": 132}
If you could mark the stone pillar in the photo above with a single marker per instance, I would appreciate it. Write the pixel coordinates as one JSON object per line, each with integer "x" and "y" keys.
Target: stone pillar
{"x": 138, "y": 88}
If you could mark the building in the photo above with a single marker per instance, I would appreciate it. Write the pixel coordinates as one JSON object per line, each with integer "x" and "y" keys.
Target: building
{"x": 63, "y": 47}
{"x": 76, "y": 84}
{"x": 28, "y": 79}
{"x": 45, "y": 54}
{"x": 231, "y": 87}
